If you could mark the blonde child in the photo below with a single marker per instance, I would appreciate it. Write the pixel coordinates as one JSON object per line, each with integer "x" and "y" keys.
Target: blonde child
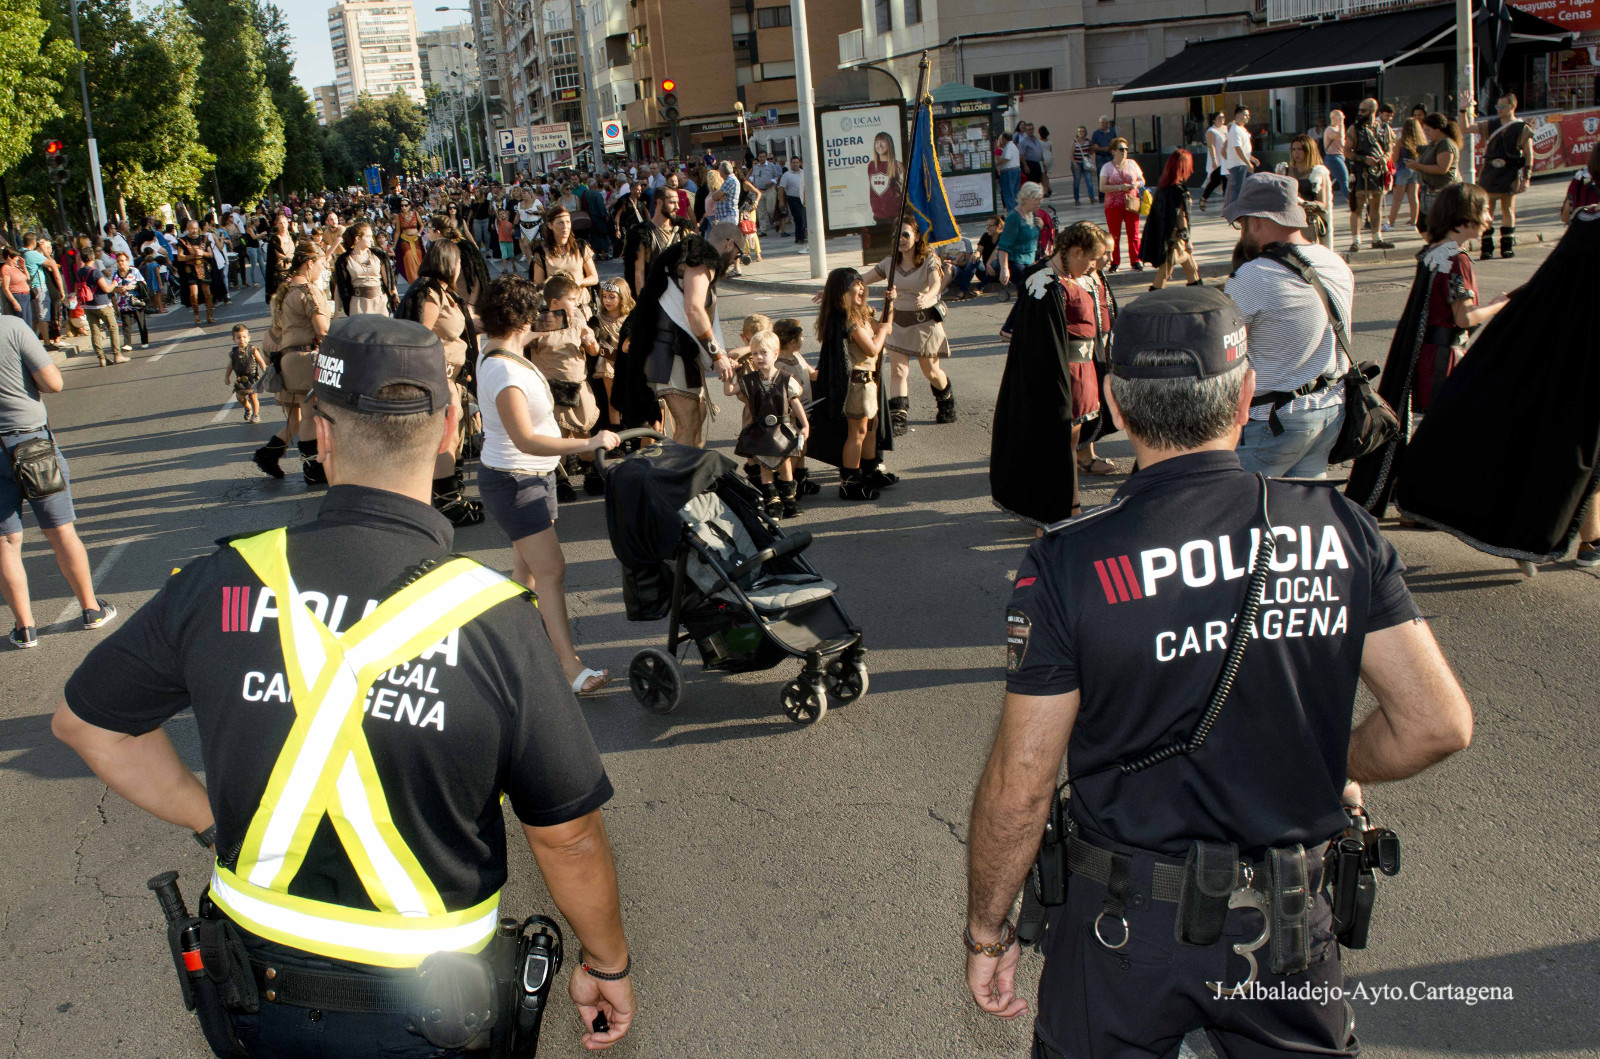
{"x": 561, "y": 355}
{"x": 775, "y": 425}
{"x": 245, "y": 367}
{"x": 753, "y": 325}
{"x": 616, "y": 302}
{"x": 791, "y": 336}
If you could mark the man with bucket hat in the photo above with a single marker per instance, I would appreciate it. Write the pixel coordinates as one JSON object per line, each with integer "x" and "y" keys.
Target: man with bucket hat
{"x": 1192, "y": 830}
{"x": 1293, "y": 294}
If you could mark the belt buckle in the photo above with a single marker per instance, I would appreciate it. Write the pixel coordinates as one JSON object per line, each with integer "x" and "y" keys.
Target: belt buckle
{"x": 1247, "y": 896}
{"x": 770, "y": 421}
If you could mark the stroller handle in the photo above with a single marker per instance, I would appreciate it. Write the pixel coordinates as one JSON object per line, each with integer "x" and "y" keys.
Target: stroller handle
{"x": 626, "y": 436}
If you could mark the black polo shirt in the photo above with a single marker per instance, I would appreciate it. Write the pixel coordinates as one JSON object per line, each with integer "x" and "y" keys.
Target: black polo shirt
{"x": 485, "y": 711}
{"x": 1132, "y": 606}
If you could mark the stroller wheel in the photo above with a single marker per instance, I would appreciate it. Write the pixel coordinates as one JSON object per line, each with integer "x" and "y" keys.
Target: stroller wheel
{"x": 846, "y": 681}
{"x": 656, "y": 680}
{"x": 803, "y": 703}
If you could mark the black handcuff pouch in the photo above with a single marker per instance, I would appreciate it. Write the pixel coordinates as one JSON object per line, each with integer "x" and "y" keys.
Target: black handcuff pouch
{"x": 454, "y": 1006}
{"x": 227, "y": 964}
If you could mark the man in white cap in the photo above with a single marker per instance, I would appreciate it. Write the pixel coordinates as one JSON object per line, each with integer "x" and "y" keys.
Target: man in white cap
{"x": 1299, "y": 404}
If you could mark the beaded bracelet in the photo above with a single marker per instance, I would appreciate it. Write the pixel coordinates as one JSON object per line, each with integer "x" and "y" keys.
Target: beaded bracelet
{"x": 609, "y": 976}
{"x": 1008, "y": 937}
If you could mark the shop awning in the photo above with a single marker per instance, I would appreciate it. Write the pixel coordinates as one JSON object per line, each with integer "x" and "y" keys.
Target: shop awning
{"x": 1316, "y": 53}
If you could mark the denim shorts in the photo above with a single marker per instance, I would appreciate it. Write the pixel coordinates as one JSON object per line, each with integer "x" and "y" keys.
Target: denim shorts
{"x": 51, "y": 511}
{"x": 1404, "y": 176}
{"x": 521, "y": 504}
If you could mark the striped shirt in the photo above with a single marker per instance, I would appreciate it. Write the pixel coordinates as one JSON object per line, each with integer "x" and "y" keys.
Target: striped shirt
{"x": 1291, "y": 339}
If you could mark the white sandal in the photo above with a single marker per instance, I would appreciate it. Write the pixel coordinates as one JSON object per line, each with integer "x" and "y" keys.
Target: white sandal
{"x": 583, "y": 678}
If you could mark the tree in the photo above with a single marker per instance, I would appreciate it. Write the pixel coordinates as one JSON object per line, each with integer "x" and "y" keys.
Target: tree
{"x": 302, "y": 154}
{"x": 31, "y": 78}
{"x": 338, "y": 167}
{"x": 386, "y": 131}
{"x": 238, "y": 120}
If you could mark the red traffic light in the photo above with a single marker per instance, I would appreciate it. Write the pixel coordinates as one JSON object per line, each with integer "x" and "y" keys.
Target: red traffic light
{"x": 53, "y": 148}
{"x": 668, "y": 85}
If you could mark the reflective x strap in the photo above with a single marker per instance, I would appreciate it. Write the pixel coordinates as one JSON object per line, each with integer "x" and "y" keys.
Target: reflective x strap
{"x": 326, "y": 765}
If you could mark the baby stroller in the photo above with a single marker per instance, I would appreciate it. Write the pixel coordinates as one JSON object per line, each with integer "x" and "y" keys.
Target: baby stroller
{"x": 697, "y": 548}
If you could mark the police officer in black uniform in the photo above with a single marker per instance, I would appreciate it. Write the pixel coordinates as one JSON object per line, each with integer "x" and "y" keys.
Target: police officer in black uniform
{"x": 1117, "y": 631}
{"x": 363, "y": 699}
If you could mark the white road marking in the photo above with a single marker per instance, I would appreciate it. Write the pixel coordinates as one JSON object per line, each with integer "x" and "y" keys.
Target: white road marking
{"x": 98, "y": 576}
{"x": 193, "y": 332}
{"x": 230, "y": 405}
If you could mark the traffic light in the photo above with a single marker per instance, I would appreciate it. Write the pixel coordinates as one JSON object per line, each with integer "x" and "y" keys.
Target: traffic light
{"x": 55, "y": 156}
{"x": 669, "y": 99}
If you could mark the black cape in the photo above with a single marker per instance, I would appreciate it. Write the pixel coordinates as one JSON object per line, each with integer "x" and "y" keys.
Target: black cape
{"x": 1032, "y": 471}
{"x": 1373, "y": 476}
{"x": 1169, "y": 215}
{"x": 1537, "y": 365}
{"x": 825, "y": 413}
{"x": 653, "y": 339}
{"x": 643, "y": 495}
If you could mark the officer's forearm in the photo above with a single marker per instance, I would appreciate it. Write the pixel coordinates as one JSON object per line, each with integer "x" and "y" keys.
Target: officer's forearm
{"x": 1012, "y": 801}
{"x": 581, "y": 876}
{"x": 144, "y": 769}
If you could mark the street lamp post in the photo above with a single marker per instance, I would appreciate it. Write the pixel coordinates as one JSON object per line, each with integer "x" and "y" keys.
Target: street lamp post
{"x": 88, "y": 121}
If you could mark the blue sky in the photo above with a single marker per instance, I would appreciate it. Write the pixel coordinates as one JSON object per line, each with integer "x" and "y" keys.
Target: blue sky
{"x": 308, "y": 19}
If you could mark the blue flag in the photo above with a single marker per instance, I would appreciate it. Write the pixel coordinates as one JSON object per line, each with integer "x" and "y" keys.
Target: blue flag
{"x": 925, "y": 187}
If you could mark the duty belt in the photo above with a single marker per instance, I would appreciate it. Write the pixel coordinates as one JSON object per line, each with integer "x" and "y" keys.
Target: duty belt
{"x": 348, "y": 991}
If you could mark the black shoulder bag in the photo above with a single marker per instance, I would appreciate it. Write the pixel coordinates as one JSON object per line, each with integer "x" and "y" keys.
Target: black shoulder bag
{"x": 35, "y": 466}
{"x": 1369, "y": 422}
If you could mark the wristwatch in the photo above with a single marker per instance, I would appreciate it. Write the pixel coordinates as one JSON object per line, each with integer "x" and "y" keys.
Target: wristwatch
{"x": 206, "y": 838}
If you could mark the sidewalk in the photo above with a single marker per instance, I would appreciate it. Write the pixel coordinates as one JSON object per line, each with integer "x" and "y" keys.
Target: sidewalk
{"x": 783, "y": 271}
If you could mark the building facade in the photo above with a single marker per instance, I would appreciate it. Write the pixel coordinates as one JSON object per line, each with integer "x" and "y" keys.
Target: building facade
{"x": 1033, "y": 46}
{"x": 326, "y": 99}
{"x": 374, "y": 49}
{"x": 719, "y": 54}
{"x": 439, "y": 51}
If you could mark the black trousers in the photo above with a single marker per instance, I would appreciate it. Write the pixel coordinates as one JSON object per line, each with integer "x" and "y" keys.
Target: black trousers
{"x": 1218, "y": 177}
{"x": 279, "y": 1031}
{"x": 132, "y": 320}
{"x": 1140, "y": 1000}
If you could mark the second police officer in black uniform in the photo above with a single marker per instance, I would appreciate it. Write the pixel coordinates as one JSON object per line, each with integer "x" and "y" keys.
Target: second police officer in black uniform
{"x": 1214, "y": 832}
{"x": 364, "y": 700}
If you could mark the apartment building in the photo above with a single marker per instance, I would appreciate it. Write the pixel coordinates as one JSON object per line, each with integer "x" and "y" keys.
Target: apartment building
{"x": 326, "y": 99}
{"x": 448, "y": 48}
{"x": 1030, "y": 46}
{"x": 724, "y": 51}
{"x": 374, "y": 49}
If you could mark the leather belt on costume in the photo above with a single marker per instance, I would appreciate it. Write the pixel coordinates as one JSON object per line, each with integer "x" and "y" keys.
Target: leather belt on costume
{"x": 773, "y": 421}
{"x": 366, "y": 292}
{"x": 310, "y": 348}
{"x": 912, "y": 317}
{"x": 863, "y": 376}
{"x": 1080, "y": 349}
{"x": 1445, "y": 336}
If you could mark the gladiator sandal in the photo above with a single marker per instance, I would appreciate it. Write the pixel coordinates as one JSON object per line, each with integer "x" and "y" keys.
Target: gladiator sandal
{"x": 1487, "y": 250}
{"x": 946, "y": 401}
{"x": 1508, "y": 240}
{"x": 899, "y": 415}
{"x": 448, "y": 501}
{"x": 804, "y": 486}
{"x": 769, "y": 499}
{"x": 851, "y": 487}
{"x": 786, "y": 498}
{"x": 268, "y": 455}
{"x": 875, "y": 475}
{"x": 310, "y": 466}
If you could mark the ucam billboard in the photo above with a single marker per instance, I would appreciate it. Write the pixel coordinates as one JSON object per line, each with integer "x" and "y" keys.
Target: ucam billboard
{"x": 863, "y": 164}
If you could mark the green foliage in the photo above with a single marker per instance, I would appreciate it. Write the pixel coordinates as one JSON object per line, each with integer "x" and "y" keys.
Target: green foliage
{"x": 337, "y": 163}
{"x": 374, "y": 129}
{"x": 33, "y": 70}
{"x": 302, "y": 156}
{"x": 238, "y": 119}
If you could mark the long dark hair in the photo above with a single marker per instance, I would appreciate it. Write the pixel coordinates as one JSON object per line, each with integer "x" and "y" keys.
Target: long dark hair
{"x": 547, "y": 236}
{"x": 1439, "y": 123}
{"x": 841, "y": 281}
{"x": 441, "y": 265}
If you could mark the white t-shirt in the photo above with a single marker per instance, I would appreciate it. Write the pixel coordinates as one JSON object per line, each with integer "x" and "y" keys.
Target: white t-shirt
{"x": 1216, "y": 143}
{"x": 793, "y": 183}
{"x": 499, "y": 453}
{"x": 1009, "y": 157}
{"x": 1237, "y": 147}
{"x": 1291, "y": 341}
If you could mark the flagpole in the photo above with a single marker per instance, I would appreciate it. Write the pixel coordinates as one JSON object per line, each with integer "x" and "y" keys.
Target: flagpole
{"x": 905, "y": 188}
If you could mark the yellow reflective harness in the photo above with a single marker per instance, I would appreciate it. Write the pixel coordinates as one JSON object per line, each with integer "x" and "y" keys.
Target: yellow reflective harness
{"x": 326, "y": 769}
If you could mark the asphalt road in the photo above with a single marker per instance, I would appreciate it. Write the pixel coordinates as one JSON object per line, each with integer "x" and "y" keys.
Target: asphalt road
{"x": 797, "y": 891}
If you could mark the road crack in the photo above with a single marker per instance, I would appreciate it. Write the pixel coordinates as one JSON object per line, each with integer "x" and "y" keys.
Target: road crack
{"x": 949, "y": 825}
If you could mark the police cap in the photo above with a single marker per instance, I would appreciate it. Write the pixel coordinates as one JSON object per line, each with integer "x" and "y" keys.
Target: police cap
{"x": 363, "y": 354}
{"x": 1200, "y": 322}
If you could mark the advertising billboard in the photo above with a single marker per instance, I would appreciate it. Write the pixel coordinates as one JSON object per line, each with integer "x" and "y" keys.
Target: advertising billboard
{"x": 863, "y": 164}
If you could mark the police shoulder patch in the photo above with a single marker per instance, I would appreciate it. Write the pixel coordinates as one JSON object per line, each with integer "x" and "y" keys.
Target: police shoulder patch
{"x": 1018, "y": 628}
